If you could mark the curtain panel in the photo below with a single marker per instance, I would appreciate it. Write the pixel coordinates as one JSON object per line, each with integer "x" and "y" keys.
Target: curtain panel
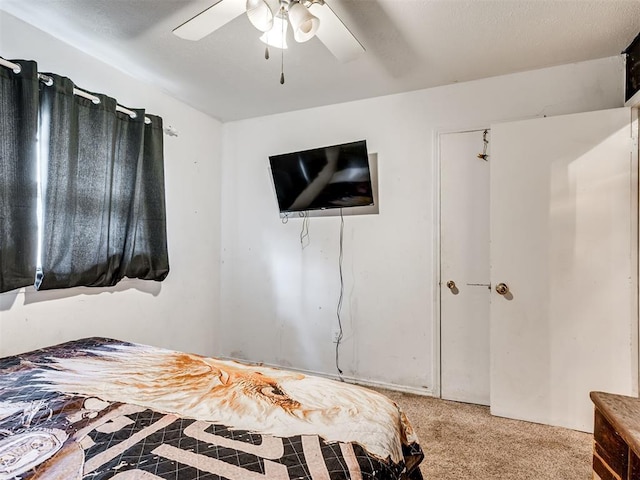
{"x": 146, "y": 247}
{"x": 102, "y": 192}
{"x": 18, "y": 176}
{"x": 82, "y": 199}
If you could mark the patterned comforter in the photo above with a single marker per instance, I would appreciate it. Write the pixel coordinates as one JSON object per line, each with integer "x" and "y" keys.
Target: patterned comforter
{"x": 99, "y": 408}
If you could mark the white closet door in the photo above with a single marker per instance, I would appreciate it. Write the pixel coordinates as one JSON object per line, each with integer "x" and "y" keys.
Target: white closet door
{"x": 464, "y": 260}
{"x": 563, "y": 220}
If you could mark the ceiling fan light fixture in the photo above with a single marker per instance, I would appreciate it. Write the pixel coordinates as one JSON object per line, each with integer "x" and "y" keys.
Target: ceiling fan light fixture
{"x": 304, "y": 24}
{"x": 261, "y": 13}
{"x": 277, "y": 36}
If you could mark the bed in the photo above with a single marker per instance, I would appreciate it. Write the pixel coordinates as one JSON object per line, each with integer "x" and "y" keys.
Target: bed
{"x": 105, "y": 409}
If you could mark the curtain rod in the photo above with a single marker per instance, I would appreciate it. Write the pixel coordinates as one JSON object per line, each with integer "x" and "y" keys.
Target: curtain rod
{"x": 47, "y": 80}
{"x": 13, "y": 66}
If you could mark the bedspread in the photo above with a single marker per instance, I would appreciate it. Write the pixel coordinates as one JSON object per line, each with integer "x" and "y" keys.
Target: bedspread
{"x": 99, "y": 408}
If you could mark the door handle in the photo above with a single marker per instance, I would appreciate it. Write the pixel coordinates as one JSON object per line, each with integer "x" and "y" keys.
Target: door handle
{"x": 451, "y": 284}
{"x": 502, "y": 288}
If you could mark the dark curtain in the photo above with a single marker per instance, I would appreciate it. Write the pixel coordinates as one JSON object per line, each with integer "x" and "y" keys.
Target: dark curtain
{"x": 146, "y": 247}
{"x": 18, "y": 175}
{"x": 103, "y": 192}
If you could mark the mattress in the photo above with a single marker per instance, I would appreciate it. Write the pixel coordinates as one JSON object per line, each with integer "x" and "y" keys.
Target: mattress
{"x": 104, "y": 409}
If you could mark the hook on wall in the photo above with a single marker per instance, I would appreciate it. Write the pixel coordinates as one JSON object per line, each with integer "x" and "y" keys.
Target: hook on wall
{"x": 484, "y": 156}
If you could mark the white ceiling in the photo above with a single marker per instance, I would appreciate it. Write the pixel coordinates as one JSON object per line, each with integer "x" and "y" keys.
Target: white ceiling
{"x": 410, "y": 44}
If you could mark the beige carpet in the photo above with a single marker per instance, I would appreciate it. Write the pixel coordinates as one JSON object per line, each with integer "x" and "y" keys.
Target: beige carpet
{"x": 464, "y": 442}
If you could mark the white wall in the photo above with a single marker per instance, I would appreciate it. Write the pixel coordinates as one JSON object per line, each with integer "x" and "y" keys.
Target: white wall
{"x": 279, "y": 301}
{"x": 181, "y": 312}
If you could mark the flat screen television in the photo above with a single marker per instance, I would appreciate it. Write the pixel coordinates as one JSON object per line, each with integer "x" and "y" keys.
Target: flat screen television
{"x": 329, "y": 177}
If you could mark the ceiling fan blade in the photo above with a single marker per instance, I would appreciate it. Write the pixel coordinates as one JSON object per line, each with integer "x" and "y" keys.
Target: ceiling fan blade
{"x": 335, "y": 34}
{"x": 211, "y": 19}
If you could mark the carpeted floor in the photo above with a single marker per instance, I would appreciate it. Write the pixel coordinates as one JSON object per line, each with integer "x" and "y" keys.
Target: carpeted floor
{"x": 464, "y": 442}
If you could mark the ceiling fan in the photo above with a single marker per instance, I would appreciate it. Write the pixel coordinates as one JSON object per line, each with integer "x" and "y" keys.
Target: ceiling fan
{"x": 308, "y": 18}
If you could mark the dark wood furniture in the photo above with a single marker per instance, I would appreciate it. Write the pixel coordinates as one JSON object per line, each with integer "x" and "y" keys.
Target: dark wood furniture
{"x": 616, "y": 435}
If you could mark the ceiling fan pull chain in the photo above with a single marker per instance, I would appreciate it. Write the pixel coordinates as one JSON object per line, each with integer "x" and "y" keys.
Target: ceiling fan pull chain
{"x": 282, "y": 67}
{"x": 266, "y": 53}
{"x": 282, "y": 59}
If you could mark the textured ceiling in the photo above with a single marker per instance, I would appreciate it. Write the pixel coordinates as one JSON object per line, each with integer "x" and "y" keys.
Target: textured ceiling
{"x": 410, "y": 44}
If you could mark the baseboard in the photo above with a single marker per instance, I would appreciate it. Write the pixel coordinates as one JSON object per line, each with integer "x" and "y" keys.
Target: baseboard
{"x": 427, "y": 392}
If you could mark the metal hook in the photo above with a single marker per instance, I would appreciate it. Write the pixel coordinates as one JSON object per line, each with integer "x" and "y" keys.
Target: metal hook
{"x": 483, "y": 155}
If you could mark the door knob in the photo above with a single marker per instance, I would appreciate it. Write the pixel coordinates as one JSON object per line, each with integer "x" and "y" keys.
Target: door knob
{"x": 502, "y": 288}
{"x": 451, "y": 284}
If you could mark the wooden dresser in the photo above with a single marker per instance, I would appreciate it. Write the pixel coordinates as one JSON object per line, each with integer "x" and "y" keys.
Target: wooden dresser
{"x": 616, "y": 434}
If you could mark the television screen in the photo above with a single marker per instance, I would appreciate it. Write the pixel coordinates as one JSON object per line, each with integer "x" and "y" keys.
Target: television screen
{"x": 632, "y": 53}
{"x": 329, "y": 177}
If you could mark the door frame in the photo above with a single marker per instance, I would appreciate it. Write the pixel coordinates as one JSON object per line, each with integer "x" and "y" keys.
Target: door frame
{"x": 635, "y": 240}
{"x": 635, "y": 229}
{"x": 437, "y": 274}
